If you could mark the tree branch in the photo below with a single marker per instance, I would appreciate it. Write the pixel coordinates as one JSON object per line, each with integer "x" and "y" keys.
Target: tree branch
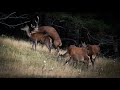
{"x": 7, "y": 16}
{"x": 101, "y": 40}
{"x": 68, "y": 39}
{"x": 13, "y": 26}
{"x": 13, "y": 16}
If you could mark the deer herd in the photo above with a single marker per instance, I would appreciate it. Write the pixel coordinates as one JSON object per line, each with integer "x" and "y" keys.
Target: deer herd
{"x": 47, "y": 35}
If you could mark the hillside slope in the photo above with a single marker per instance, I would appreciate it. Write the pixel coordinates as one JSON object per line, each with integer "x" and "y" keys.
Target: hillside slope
{"x": 17, "y": 59}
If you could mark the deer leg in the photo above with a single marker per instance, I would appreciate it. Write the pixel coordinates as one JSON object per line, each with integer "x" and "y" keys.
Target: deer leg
{"x": 35, "y": 44}
{"x": 42, "y": 45}
{"x": 75, "y": 62}
{"x": 71, "y": 62}
{"x": 68, "y": 60}
{"x": 58, "y": 49}
{"x": 51, "y": 44}
{"x": 92, "y": 60}
{"x": 59, "y": 57}
{"x": 87, "y": 63}
{"x": 48, "y": 46}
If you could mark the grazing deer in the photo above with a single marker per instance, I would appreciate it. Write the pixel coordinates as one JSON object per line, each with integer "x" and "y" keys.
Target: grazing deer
{"x": 93, "y": 51}
{"x": 76, "y": 54}
{"x": 51, "y": 32}
{"x": 37, "y": 36}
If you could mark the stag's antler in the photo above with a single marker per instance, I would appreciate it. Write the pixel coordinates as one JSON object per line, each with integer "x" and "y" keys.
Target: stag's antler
{"x": 37, "y": 24}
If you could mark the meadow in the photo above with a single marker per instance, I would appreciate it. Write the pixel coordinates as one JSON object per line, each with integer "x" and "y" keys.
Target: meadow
{"x": 18, "y": 60}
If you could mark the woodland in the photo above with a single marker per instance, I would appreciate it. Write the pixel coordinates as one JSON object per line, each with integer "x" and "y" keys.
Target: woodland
{"x": 74, "y": 27}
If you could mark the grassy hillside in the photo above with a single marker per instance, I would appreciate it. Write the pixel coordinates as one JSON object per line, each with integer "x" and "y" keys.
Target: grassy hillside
{"x": 17, "y": 59}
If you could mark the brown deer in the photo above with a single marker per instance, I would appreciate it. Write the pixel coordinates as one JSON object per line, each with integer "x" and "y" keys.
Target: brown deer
{"x": 37, "y": 36}
{"x": 93, "y": 51}
{"x": 76, "y": 54}
{"x": 51, "y": 32}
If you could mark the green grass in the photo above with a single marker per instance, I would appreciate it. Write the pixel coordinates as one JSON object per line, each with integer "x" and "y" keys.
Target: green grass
{"x": 18, "y": 60}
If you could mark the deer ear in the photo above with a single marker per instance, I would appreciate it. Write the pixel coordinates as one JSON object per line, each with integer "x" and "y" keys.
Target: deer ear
{"x": 84, "y": 43}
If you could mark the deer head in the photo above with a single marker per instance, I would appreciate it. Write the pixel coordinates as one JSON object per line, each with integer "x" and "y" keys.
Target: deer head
{"x": 26, "y": 28}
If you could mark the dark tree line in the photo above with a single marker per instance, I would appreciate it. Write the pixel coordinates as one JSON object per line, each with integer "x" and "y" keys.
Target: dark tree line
{"x": 73, "y": 28}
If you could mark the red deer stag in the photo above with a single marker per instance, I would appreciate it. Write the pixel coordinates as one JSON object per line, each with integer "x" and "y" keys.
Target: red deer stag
{"x": 76, "y": 54}
{"x": 93, "y": 51}
{"x": 37, "y": 36}
{"x": 51, "y": 32}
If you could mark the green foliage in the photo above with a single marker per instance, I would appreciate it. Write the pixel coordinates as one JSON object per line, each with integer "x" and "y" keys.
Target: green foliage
{"x": 96, "y": 24}
{"x": 77, "y": 21}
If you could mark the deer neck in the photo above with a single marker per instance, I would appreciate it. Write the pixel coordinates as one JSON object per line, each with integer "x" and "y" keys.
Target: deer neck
{"x": 28, "y": 33}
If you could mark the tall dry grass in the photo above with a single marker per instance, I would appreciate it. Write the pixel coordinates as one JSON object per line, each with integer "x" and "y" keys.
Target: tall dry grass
{"x": 18, "y": 60}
